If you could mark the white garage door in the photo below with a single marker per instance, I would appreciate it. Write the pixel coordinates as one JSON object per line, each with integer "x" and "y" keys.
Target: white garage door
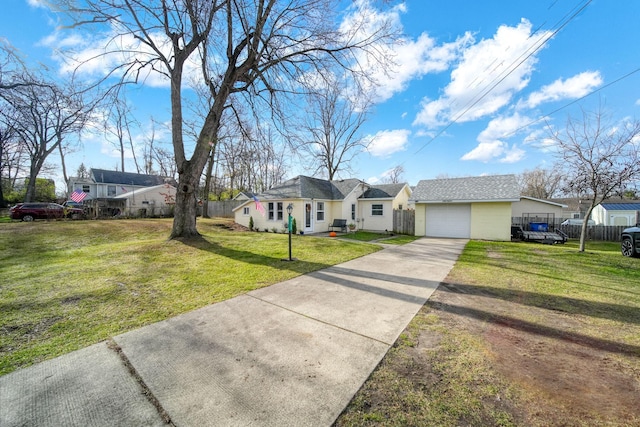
{"x": 449, "y": 220}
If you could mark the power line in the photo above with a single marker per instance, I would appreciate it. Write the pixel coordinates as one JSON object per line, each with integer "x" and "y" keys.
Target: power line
{"x": 629, "y": 74}
{"x": 514, "y": 66}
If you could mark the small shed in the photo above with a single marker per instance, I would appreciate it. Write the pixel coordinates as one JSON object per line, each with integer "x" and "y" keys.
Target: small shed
{"x": 625, "y": 213}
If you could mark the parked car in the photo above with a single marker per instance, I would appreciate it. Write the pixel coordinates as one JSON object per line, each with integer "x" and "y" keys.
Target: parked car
{"x": 31, "y": 211}
{"x": 630, "y": 241}
{"x": 72, "y": 204}
{"x": 590, "y": 223}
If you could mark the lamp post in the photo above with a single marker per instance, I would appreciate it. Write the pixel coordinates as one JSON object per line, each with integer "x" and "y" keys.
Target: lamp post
{"x": 289, "y": 210}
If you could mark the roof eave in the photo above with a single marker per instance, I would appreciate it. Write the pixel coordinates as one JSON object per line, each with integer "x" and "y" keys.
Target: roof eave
{"x": 447, "y": 201}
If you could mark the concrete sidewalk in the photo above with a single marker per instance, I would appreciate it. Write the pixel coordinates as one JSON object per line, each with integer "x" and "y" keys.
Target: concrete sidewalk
{"x": 291, "y": 354}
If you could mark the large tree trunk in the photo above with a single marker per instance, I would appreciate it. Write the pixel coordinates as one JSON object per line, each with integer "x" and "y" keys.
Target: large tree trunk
{"x": 30, "y": 195}
{"x": 184, "y": 221}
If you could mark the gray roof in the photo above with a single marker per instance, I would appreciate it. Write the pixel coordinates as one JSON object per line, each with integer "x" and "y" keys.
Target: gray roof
{"x": 127, "y": 178}
{"x": 304, "y": 187}
{"x": 635, "y": 206}
{"x": 470, "y": 189}
{"x": 383, "y": 191}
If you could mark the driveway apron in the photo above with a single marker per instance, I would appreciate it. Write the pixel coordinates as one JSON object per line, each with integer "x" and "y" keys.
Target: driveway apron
{"x": 291, "y": 354}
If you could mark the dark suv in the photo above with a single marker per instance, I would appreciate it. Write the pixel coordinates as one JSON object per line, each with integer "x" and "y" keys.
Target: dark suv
{"x": 631, "y": 241}
{"x": 31, "y": 211}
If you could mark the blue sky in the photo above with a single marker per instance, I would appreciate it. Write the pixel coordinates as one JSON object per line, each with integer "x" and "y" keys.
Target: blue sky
{"x": 471, "y": 83}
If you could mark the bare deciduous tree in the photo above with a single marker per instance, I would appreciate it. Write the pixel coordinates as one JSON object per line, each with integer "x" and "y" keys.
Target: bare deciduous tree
{"x": 12, "y": 152}
{"x": 599, "y": 158}
{"x": 540, "y": 183}
{"x": 118, "y": 125}
{"x": 46, "y": 115}
{"x": 257, "y": 47}
{"x": 394, "y": 175}
{"x": 330, "y": 135}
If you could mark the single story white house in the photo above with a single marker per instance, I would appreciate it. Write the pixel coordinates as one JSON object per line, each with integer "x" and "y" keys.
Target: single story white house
{"x": 159, "y": 200}
{"x": 318, "y": 202}
{"x": 617, "y": 213}
{"x": 471, "y": 208}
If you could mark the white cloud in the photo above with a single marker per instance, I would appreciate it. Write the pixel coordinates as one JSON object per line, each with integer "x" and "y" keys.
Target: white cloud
{"x": 491, "y": 140}
{"x": 38, "y": 3}
{"x": 486, "y": 151}
{"x": 406, "y": 59}
{"x": 504, "y": 126}
{"x": 513, "y": 155}
{"x": 387, "y": 142}
{"x": 571, "y": 88}
{"x": 414, "y": 59}
{"x": 488, "y": 75}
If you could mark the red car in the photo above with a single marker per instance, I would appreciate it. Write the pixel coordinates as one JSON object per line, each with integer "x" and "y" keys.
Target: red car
{"x": 31, "y": 211}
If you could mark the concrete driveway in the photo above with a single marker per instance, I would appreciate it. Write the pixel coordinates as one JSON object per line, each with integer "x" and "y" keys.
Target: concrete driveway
{"x": 291, "y": 354}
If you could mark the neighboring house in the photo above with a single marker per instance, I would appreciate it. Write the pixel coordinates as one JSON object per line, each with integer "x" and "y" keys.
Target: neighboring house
{"x": 617, "y": 213}
{"x": 244, "y": 195}
{"x": 317, "y": 202}
{"x": 576, "y": 207}
{"x": 158, "y": 200}
{"x": 530, "y": 209}
{"x": 103, "y": 188}
{"x": 473, "y": 207}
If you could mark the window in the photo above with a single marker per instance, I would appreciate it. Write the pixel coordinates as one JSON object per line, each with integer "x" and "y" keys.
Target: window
{"x": 320, "y": 211}
{"x": 376, "y": 210}
{"x": 280, "y": 216}
{"x": 245, "y": 211}
{"x": 270, "y": 211}
{"x": 86, "y": 189}
{"x": 353, "y": 211}
{"x": 111, "y": 191}
{"x": 400, "y": 207}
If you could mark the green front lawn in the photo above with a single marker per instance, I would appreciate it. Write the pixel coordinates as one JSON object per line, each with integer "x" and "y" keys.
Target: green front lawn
{"x": 65, "y": 285}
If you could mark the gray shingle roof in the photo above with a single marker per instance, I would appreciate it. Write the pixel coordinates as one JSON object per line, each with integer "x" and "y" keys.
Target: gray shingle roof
{"x": 383, "y": 191}
{"x": 470, "y": 189}
{"x": 304, "y": 187}
{"x": 126, "y": 178}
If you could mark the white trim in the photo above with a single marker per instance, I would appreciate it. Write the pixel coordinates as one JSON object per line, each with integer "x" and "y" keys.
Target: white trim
{"x": 544, "y": 201}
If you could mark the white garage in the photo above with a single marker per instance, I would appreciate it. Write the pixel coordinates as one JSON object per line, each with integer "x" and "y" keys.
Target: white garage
{"x": 448, "y": 220}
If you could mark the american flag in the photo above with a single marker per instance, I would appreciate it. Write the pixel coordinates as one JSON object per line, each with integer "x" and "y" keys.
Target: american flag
{"x": 124, "y": 190}
{"x": 78, "y": 196}
{"x": 259, "y": 206}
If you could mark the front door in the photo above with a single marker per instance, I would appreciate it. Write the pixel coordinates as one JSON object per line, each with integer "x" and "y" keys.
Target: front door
{"x": 308, "y": 217}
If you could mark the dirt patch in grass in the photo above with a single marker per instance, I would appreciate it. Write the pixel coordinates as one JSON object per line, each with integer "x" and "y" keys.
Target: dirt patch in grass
{"x": 504, "y": 356}
{"x": 561, "y": 375}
